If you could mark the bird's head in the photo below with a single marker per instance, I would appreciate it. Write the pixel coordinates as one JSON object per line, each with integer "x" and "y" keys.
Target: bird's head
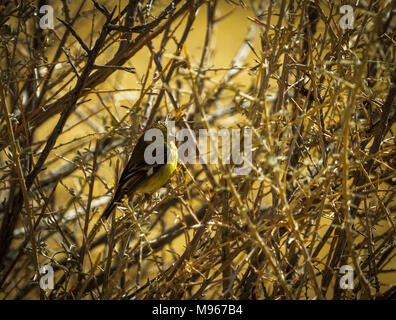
{"x": 163, "y": 126}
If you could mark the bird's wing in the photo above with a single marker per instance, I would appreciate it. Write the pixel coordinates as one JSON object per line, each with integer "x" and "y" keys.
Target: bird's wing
{"x": 137, "y": 169}
{"x": 135, "y": 173}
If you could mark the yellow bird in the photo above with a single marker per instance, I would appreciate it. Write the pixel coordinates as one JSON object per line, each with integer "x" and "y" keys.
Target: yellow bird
{"x": 139, "y": 176}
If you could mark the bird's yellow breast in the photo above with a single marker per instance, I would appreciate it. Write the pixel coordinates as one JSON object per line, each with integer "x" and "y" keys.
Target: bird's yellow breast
{"x": 162, "y": 176}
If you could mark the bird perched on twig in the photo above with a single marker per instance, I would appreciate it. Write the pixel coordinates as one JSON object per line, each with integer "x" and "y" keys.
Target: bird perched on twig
{"x": 139, "y": 175}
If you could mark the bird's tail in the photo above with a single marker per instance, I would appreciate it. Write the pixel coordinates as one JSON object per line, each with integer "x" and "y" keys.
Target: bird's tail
{"x": 112, "y": 204}
{"x": 109, "y": 209}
